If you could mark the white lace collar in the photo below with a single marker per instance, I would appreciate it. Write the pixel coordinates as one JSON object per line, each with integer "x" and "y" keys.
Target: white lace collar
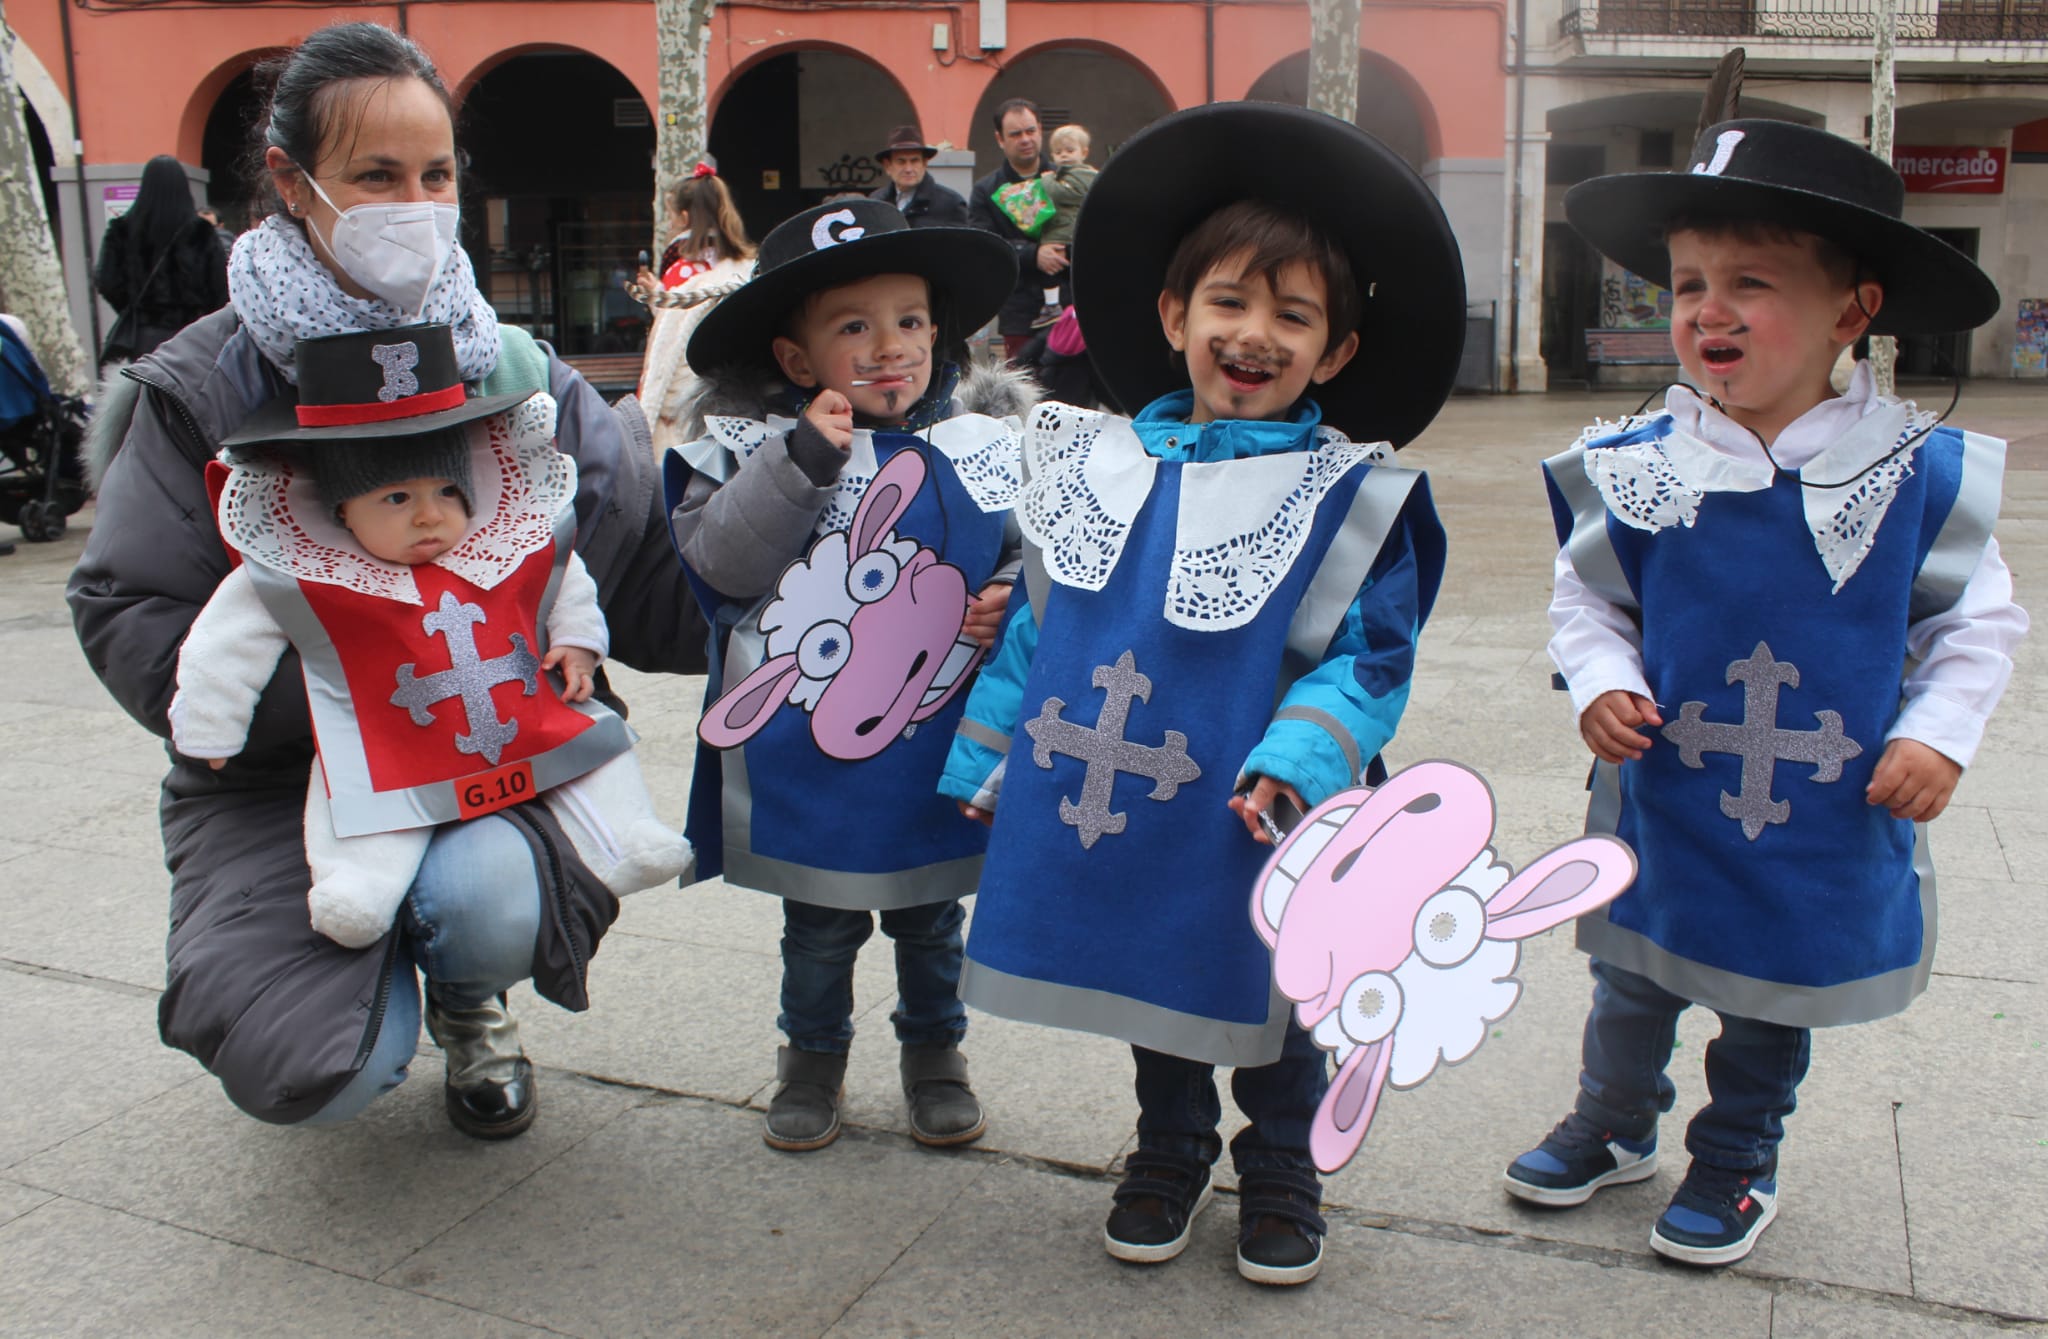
{"x": 1659, "y": 482}
{"x": 1240, "y": 526}
{"x": 273, "y": 515}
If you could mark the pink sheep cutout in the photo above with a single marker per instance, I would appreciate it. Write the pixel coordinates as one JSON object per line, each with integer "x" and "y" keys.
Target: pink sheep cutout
{"x": 864, "y": 632}
{"x": 1396, "y": 933}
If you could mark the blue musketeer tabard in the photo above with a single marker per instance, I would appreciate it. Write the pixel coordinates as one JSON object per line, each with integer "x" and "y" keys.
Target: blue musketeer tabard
{"x": 1774, "y": 619}
{"x": 1117, "y": 889}
{"x": 831, "y": 701}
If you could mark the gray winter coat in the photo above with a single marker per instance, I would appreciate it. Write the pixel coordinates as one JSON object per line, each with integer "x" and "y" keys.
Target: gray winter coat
{"x": 280, "y": 1014}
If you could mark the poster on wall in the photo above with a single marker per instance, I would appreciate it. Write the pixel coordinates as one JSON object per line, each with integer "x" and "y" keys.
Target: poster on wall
{"x": 1630, "y": 302}
{"x": 2030, "y": 339}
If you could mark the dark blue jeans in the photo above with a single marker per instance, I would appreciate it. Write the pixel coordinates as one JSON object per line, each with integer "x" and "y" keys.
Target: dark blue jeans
{"x": 819, "y": 945}
{"x": 1178, "y": 1108}
{"x": 1753, "y": 1072}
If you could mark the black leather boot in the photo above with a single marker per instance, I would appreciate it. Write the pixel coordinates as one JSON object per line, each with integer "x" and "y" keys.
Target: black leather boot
{"x": 490, "y": 1088}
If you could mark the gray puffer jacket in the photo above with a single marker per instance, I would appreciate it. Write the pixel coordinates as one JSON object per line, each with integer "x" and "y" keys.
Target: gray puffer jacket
{"x": 280, "y": 1014}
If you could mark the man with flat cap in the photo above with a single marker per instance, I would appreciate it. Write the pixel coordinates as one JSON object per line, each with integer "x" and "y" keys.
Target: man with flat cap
{"x": 911, "y": 189}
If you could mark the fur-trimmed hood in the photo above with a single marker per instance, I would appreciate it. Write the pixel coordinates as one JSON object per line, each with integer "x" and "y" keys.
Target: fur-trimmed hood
{"x": 995, "y": 389}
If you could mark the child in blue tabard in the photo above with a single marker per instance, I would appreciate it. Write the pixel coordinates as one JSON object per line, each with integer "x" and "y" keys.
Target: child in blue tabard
{"x": 1784, "y": 623}
{"x": 1218, "y": 609}
{"x": 845, "y": 519}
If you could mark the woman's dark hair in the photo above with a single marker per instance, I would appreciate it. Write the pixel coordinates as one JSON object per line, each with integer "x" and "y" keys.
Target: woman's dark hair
{"x": 1270, "y": 239}
{"x": 303, "y": 90}
{"x": 163, "y": 208}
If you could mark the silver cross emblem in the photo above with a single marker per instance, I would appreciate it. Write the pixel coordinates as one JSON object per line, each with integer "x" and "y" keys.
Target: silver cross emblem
{"x": 1107, "y": 752}
{"x": 1759, "y": 742}
{"x": 468, "y": 677}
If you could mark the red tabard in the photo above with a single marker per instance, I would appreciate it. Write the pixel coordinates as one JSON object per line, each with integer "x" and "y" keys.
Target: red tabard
{"x": 373, "y": 636}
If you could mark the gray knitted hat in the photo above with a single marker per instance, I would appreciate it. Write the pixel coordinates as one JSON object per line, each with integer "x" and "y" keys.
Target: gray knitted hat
{"x": 344, "y": 470}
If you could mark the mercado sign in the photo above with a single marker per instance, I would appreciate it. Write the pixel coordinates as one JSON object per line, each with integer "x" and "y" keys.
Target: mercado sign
{"x": 1951, "y": 169}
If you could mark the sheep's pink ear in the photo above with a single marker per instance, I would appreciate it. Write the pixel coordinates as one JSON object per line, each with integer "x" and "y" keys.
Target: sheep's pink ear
{"x": 738, "y": 715}
{"x": 885, "y": 501}
{"x": 1565, "y": 883}
{"x": 1346, "y": 1113}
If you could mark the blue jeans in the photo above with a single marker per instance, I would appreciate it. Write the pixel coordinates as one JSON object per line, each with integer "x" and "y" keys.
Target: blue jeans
{"x": 819, "y": 945}
{"x": 1178, "y": 1109}
{"x": 469, "y": 924}
{"x": 1753, "y": 1072}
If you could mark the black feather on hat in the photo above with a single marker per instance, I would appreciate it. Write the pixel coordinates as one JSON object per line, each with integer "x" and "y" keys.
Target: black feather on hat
{"x": 1801, "y": 178}
{"x": 1183, "y": 168}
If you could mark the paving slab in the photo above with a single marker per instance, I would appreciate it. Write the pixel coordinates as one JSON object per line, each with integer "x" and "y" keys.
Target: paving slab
{"x": 685, "y": 1018}
{"x": 17, "y": 1199}
{"x": 1993, "y": 928}
{"x": 1796, "y": 1316}
{"x": 1977, "y": 1205}
{"x": 955, "y": 1281}
{"x": 110, "y": 923}
{"x": 676, "y": 1219}
{"x": 71, "y": 1269}
{"x": 354, "y": 1198}
{"x": 1965, "y": 845}
{"x": 46, "y": 1026}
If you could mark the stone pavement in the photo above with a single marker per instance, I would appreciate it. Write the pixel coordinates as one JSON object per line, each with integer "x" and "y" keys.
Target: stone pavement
{"x": 135, "y": 1200}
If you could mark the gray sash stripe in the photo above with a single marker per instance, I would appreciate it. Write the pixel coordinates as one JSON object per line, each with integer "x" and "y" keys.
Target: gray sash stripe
{"x": 1330, "y": 726}
{"x": 1037, "y": 581}
{"x": 1728, "y": 992}
{"x": 1381, "y": 495}
{"x": 1151, "y": 1026}
{"x": 983, "y": 735}
{"x": 1593, "y": 556}
{"x": 1960, "y": 545}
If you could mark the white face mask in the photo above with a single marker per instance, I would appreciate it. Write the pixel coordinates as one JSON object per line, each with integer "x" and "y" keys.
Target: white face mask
{"x": 395, "y": 251}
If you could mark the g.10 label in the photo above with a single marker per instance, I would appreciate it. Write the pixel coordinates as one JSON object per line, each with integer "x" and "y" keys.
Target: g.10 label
{"x": 486, "y": 792}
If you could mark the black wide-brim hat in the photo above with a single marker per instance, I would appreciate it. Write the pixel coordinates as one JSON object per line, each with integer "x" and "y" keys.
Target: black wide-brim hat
{"x": 845, "y": 242}
{"x": 1183, "y": 168}
{"x": 1797, "y": 177}
{"x": 365, "y": 384}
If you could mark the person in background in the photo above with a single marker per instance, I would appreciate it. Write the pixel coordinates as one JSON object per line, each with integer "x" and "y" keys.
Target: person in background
{"x": 709, "y": 257}
{"x": 161, "y": 265}
{"x": 910, "y": 188}
{"x": 1066, "y": 185}
{"x": 1016, "y": 126}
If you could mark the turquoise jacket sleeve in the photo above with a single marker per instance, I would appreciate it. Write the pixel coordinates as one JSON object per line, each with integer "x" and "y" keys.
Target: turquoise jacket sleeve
{"x": 1336, "y": 717}
{"x": 981, "y": 743}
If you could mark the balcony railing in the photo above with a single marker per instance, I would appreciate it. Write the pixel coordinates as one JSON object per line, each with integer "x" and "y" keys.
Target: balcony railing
{"x": 1964, "y": 21}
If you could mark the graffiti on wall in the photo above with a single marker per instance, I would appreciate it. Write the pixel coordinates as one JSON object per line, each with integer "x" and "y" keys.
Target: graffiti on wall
{"x": 2030, "y": 339}
{"x": 851, "y": 173}
{"x": 1630, "y": 302}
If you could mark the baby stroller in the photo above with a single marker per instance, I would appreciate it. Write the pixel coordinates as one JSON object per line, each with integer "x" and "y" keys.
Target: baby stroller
{"x": 42, "y": 479}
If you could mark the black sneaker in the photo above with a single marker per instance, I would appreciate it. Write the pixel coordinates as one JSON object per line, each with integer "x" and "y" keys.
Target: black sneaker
{"x": 1717, "y": 1215}
{"x": 1280, "y": 1226}
{"x": 1046, "y": 316}
{"x": 1156, "y": 1206}
{"x": 1576, "y": 1159}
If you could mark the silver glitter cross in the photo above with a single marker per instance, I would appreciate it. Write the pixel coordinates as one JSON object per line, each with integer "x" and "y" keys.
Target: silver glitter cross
{"x": 1107, "y": 752}
{"x": 1759, "y": 742}
{"x": 468, "y": 677}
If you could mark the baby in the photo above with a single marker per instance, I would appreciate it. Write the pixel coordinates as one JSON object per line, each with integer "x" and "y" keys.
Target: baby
{"x": 1066, "y": 185}
{"x": 416, "y": 571}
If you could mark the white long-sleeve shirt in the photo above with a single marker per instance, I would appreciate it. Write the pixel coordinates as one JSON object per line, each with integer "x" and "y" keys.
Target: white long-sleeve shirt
{"x": 1960, "y": 658}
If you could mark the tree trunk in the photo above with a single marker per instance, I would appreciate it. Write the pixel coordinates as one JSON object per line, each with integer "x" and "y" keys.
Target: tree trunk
{"x": 1884, "y": 350}
{"x": 31, "y": 281}
{"x": 682, "y": 133}
{"x": 1333, "y": 58}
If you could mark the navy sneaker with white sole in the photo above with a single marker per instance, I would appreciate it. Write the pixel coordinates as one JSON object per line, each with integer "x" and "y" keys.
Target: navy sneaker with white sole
{"x": 1156, "y": 1205}
{"x": 1717, "y": 1215}
{"x": 1576, "y": 1159}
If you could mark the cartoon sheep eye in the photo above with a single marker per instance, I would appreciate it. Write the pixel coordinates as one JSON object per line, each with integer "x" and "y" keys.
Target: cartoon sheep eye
{"x": 1371, "y": 1007}
{"x": 823, "y": 649}
{"x": 1449, "y": 927}
{"x": 872, "y": 576}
